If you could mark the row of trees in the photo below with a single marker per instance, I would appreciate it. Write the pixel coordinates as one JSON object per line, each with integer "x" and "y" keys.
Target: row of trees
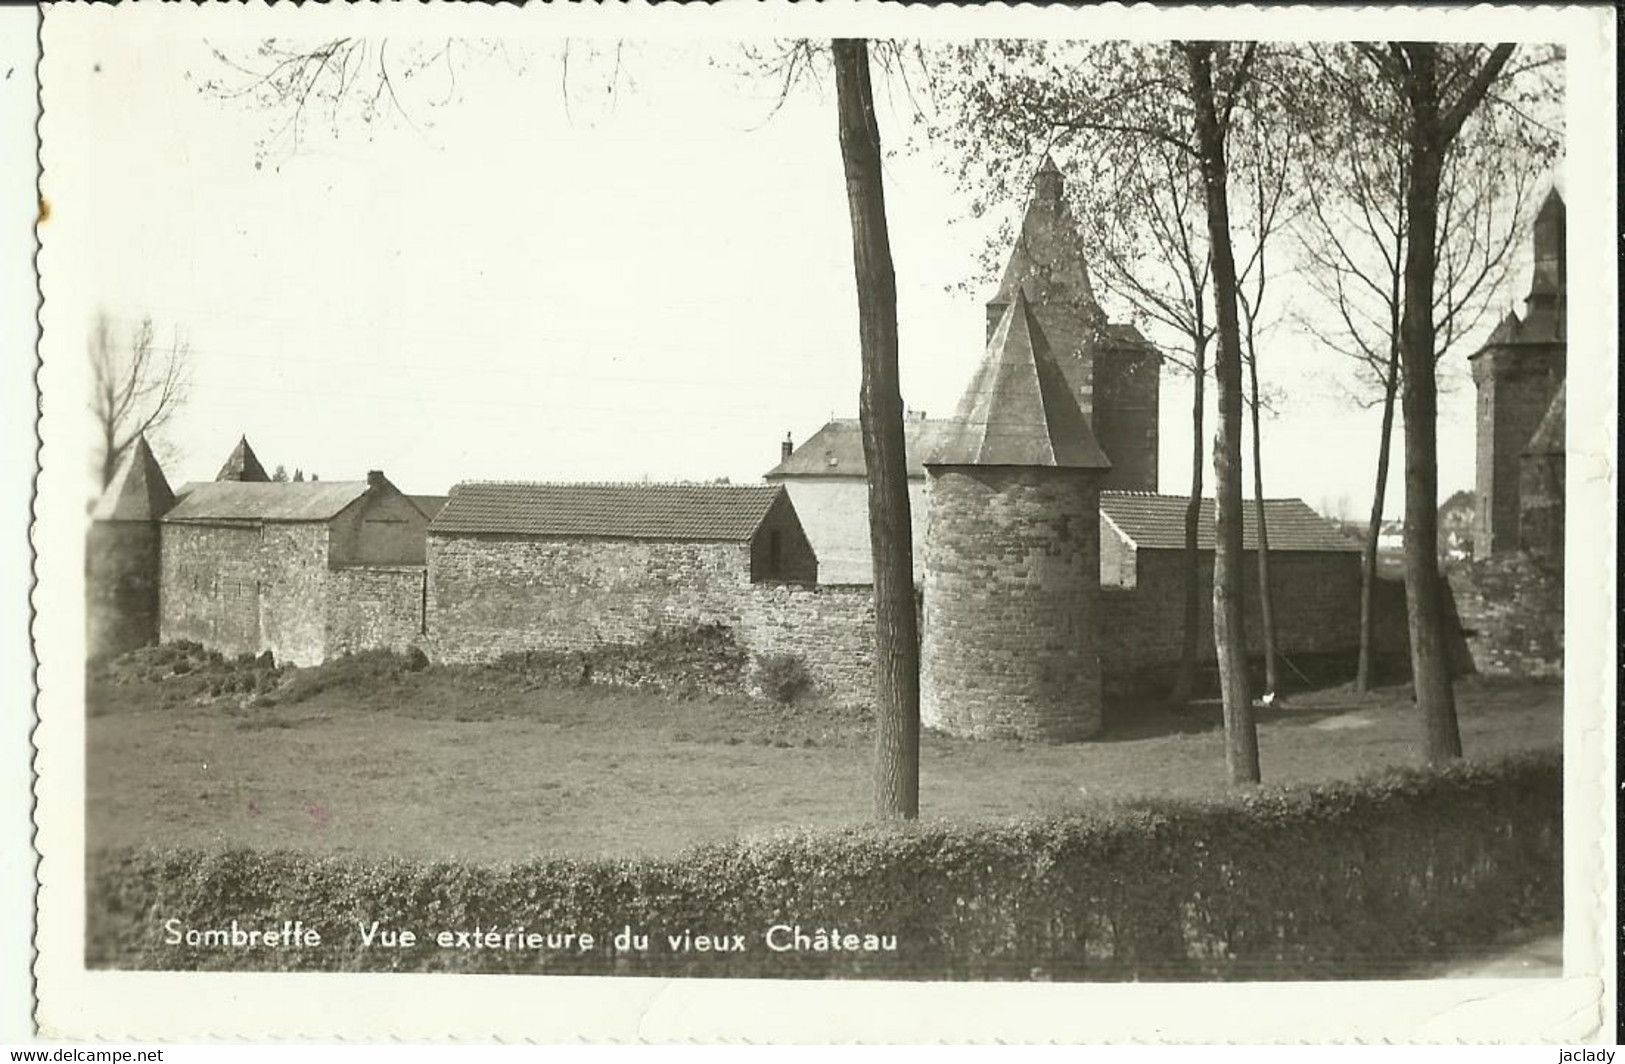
{"x": 1403, "y": 173}
{"x": 1395, "y": 166}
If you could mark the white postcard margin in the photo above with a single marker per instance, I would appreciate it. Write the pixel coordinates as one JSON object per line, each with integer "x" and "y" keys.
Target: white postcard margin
{"x": 129, "y": 1006}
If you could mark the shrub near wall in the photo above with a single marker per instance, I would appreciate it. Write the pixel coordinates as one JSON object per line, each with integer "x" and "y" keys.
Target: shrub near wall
{"x": 1360, "y": 879}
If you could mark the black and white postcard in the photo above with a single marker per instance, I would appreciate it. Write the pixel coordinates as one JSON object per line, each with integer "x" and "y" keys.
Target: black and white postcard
{"x": 846, "y": 522}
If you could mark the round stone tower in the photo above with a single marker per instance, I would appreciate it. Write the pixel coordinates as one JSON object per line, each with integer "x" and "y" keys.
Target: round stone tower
{"x": 1012, "y": 552}
{"x": 121, "y": 556}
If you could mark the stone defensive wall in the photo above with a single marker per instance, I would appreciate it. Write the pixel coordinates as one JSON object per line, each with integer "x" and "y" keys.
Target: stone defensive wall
{"x": 830, "y": 627}
{"x": 1317, "y": 617}
{"x": 376, "y": 607}
{"x": 1511, "y": 613}
{"x": 488, "y": 597}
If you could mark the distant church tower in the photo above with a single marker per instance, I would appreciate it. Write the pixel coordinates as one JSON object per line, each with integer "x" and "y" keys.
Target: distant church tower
{"x": 1519, "y": 374}
{"x": 1114, "y": 373}
{"x": 121, "y": 556}
{"x": 1012, "y": 551}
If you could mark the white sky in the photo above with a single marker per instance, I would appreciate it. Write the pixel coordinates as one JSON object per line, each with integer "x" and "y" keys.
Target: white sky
{"x": 661, "y": 288}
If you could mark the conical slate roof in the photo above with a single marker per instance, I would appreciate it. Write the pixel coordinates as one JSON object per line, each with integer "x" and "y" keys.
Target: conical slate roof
{"x": 1047, "y": 261}
{"x": 243, "y": 465}
{"x": 1548, "y": 438}
{"x": 138, "y": 491}
{"x": 1018, "y": 410}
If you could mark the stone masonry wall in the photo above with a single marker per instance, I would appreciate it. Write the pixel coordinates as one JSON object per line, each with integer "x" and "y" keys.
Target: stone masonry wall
{"x": 294, "y": 592}
{"x": 244, "y": 589}
{"x": 1511, "y": 612}
{"x": 1012, "y": 576}
{"x": 830, "y": 628}
{"x": 121, "y": 586}
{"x": 1317, "y": 610}
{"x": 375, "y": 608}
{"x": 494, "y": 595}
{"x": 210, "y": 586}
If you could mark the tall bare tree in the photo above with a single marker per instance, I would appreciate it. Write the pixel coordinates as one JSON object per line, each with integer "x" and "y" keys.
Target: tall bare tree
{"x": 1266, "y": 147}
{"x": 1214, "y": 93}
{"x": 1129, "y": 101}
{"x": 1353, "y": 239}
{"x": 880, "y": 414}
{"x": 137, "y": 387}
{"x": 1437, "y": 86}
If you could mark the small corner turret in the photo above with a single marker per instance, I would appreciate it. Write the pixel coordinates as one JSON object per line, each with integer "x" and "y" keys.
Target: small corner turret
{"x": 243, "y": 465}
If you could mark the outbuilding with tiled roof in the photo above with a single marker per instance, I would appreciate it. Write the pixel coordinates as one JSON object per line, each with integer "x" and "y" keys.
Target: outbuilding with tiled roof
{"x": 525, "y": 566}
{"x": 305, "y": 570}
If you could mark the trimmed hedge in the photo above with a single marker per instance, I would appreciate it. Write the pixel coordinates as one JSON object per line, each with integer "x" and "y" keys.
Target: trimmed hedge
{"x": 1367, "y": 878}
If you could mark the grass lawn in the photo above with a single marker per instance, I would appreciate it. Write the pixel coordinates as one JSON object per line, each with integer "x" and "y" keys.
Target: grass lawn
{"x": 476, "y": 764}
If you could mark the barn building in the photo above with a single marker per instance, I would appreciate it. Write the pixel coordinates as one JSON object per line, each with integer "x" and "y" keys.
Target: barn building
{"x": 1314, "y": 577}
{"x": 1010, "y": 642}
{"x": 517, "y": 566}
{"x": 305, "y": 570}
{"x": 1519, "y": 374}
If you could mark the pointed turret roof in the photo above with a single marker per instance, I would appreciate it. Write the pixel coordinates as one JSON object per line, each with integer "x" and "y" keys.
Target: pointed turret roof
{"x": 138, "y": 491}
{"x": 1019, "y": 410}
{"x": 1047, "y": 261}
{"x": 243, "y": 465}
{"x": 1550, "y": 241}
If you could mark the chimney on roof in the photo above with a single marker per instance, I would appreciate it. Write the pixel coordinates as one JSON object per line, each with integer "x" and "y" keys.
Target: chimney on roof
{"x": 375, "y": 478}
{"x": 786, "y": 448}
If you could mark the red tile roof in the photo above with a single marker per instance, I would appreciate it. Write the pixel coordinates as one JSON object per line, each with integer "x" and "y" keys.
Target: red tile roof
{"x": 1157, "y": 522}
{"x": 723, "y": 512}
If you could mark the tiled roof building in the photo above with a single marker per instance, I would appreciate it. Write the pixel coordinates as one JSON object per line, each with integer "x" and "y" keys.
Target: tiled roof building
{"x": 610, "y": 511}
{"x": 1157, "y": 522}
{"x": 520, "y": 566}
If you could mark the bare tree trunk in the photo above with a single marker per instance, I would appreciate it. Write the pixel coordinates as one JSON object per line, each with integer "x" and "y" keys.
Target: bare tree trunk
{"x": 110, "y": 456}
{"x": 1368, "y": 559}
{"x": 1424, "y": 585}
{"x": 1190, "y": 560}
{"x": 1266, "y": 599}
{"x": 880, "y": 412}
{"x": 1229, "y": 620}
